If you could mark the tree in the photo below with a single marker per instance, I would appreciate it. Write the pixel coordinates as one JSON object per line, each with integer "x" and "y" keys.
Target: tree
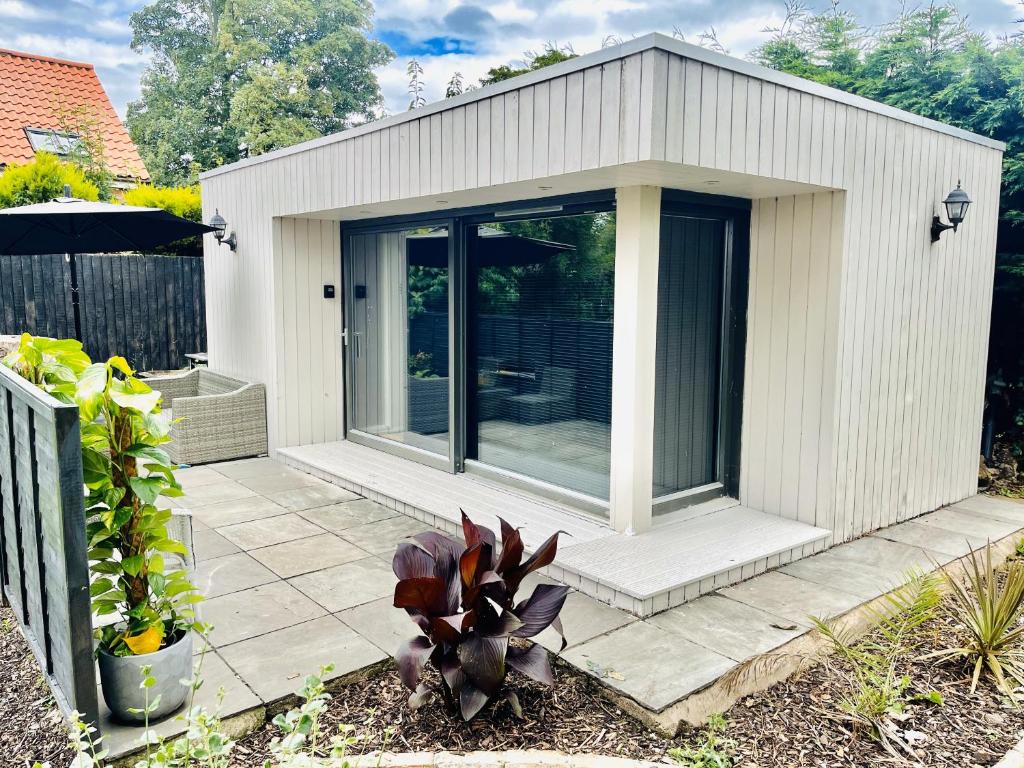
{"x": 552, "y": 54}
{"x": 236, "y": 77}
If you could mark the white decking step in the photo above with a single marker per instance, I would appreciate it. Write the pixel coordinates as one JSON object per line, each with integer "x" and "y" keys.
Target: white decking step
{"x": 716, "y": 545}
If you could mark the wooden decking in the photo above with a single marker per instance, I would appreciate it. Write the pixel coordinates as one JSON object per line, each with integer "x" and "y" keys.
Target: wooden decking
{"x": 716, "y": 545}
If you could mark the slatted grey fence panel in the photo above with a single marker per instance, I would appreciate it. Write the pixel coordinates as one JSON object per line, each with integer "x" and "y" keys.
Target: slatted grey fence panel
{"x": 151, "y": 309}
{"x": 43, "y": 562}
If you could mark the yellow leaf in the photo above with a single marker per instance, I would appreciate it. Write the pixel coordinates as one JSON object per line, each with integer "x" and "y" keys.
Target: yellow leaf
{"x": 146, "y": 642}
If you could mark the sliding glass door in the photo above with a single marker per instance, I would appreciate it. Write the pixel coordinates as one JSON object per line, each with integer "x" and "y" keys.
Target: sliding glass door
{"x": 539, "y": 317}
{"x": 482, "y": 341}
{"x": 397, "y": 286}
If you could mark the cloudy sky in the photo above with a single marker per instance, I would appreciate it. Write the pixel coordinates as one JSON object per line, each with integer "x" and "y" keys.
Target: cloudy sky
{"x": 446, "y": 36}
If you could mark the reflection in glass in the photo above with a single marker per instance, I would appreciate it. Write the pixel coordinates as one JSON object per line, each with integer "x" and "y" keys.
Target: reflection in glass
{"x": 540, "y": 351}
{"x": 399, "y": 297}
{"x": 687, "y": 353}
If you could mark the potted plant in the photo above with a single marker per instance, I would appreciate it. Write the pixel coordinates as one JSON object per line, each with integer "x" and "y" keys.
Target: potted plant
{"x": 125, "y": 474}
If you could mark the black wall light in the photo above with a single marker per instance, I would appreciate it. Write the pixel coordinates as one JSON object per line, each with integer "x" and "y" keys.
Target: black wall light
{"x": 957, "y": 202}
{"x": 221, "y": 227}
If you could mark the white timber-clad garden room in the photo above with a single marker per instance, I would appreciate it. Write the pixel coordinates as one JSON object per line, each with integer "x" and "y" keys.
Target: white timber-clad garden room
{"x": 697, "y": 314}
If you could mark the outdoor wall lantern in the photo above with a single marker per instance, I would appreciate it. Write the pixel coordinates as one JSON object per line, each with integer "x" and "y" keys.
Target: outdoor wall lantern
{"x": 221, "y": 227}
{"x": 957, "y": 203}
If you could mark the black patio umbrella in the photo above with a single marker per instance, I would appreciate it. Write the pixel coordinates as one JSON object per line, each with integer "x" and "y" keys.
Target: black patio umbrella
{"x": 495, "y": 248}
{"x": 71, "y": 226}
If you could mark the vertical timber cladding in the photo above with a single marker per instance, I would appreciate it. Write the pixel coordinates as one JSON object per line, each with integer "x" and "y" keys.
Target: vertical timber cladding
{"x": 44, "y": 564}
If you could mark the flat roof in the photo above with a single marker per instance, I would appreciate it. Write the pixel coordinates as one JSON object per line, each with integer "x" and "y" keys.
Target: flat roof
{"x": 652, "y": 41}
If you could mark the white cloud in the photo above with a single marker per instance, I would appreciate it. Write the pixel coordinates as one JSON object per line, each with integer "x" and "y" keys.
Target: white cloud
{"x": 17, "y": 9}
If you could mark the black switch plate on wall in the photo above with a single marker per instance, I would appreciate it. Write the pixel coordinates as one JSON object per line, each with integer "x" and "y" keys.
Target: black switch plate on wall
{"x": 328, "y": 291}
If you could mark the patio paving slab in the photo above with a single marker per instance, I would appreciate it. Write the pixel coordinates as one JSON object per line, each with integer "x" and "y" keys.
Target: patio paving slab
{"x": 241, "y": 468}
{"x": 236, "y": 511}
{"x": 381, "y": 537}
{"x": 309, "y": 554}
{"x": 864, "y": 568}
{"x": 311, "y": 496}
{"x": 649, "y": 664}
{"x": 257, "y": 611}
{"x": 231, "y": 573}
{"x": 348, "y": 585}
{"x": 269, "y": 531}
{"x": 209, "y": 544}
{"x": 381, "y": 623}
{"x": 284, "y": 479}
{"x": 348, "y": 514}
{"x": 949, "y": 544}
{"x": 583, "y": 617}
{"x": 1000, "y": 509}
{"x": 202, "y": 495}
{"x": 969, "y": 523}
{"x": 792, "y": 598}
{"x": 274, "y": 665}
{"x": 194, "y": 477}
{"x": 728, "y": 627}
{"x": 216, "y": 674}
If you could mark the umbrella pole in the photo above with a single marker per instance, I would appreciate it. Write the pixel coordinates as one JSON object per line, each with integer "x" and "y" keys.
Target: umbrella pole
{"x": 75, "y": 309}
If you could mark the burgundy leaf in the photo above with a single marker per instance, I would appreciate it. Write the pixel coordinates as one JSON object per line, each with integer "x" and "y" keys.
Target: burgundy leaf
{"x": 557, "y": 626}
{"x": 412, "y": 656}
{"x": 483, "y": 661}
{"x": 471, "y": 700}
{"x": 412, "y": 561}
{"x": 420, "y": 696}
{"x": 471, "y": 562}
{"x": 511, "y": 548}
{"x": 475, "y": 534}
{"x": 436, "y": 543}
{"x": 540, "y": 609}
{"x": 451, "y": 671}
{"x": 449, "y": 629}
{"x": 424, "y": 594}
{"x": 532, "y": 662}
{"x": 545, "y": 555}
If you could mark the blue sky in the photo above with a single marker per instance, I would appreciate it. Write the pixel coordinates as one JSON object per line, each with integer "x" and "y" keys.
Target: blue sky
{"x": 446, "y": 35}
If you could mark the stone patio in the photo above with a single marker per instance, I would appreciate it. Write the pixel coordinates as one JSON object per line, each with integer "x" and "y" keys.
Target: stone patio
{"x": 297, "y": 575}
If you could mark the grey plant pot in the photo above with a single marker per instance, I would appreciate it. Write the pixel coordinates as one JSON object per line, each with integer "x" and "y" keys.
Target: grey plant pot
{"x": 121, "y": 679}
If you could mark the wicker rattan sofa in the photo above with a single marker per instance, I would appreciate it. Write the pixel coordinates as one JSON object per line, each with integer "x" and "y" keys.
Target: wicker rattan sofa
{"x": 216, "y": 417}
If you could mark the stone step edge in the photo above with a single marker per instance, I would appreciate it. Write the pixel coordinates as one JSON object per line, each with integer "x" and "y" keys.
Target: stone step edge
{"x": 761, "y": 672}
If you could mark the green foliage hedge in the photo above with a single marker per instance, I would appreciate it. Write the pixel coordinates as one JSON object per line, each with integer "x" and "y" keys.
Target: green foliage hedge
{"x": 41, "y": 180}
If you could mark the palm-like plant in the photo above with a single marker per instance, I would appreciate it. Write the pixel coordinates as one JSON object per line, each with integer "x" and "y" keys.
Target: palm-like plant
{"x": 462, "y": 597}
{"x": 989, "y": 609}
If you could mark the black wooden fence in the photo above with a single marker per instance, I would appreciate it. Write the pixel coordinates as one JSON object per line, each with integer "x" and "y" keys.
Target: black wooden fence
{"x": 43, "y": 562}
{"x": 151, "y": 309}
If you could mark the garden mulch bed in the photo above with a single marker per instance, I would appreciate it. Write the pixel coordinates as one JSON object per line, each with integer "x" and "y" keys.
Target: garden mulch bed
{"x": 30, "y": 724}
{"x": 788, "y": 725}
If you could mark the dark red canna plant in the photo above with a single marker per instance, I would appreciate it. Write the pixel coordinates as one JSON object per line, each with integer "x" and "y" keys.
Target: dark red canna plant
{"x": 463, "y": 598}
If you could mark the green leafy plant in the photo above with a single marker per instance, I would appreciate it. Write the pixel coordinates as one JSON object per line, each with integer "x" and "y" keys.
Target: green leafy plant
{"x": 713, "y": 751}
{"x": 421, "y": 365}
{"x": 988, "y": 607}
{"x": 875, "y": 690}
{"x": 462, "y": 597}
{"x": 125, "y": 473}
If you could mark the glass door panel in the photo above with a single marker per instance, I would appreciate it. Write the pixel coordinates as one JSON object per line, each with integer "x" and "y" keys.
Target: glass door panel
{"x": 539, "y": 319}
{"x": 688, "y": 353}
{"x": 397, "y": 292}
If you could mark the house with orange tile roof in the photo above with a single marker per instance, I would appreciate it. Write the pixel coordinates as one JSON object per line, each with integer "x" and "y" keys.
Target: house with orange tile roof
{"x": 42, "y": 99}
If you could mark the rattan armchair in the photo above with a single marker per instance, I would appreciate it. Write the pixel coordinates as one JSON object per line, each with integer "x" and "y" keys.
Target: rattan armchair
{"x": 216, "y": 417}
